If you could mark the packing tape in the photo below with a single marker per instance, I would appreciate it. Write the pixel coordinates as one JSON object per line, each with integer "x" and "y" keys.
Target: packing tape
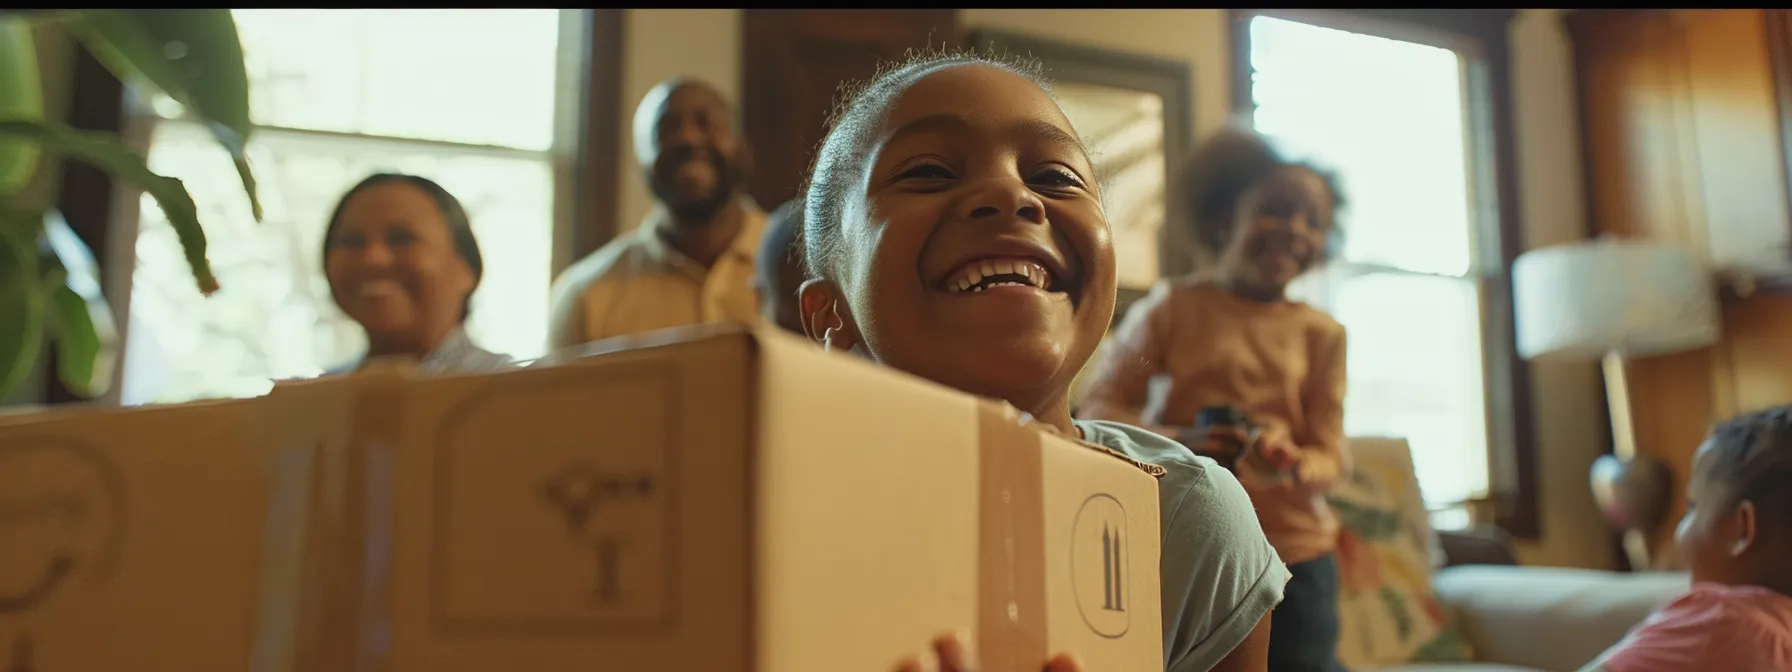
{"x": 1011, "y": 627}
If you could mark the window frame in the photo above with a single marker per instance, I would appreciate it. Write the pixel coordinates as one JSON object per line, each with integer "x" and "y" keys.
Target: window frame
{"x": 583, "y": 160}
{"x": 1479, "y": 37}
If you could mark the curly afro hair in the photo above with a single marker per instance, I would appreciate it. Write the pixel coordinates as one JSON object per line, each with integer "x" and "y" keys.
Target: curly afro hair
{"x": 1214, "y": 179}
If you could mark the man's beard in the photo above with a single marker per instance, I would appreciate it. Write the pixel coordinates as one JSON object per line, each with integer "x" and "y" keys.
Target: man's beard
{"x": 729, "y": 176}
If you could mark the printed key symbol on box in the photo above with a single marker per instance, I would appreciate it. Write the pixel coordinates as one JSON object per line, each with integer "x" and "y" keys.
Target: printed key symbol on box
{"x": 581, "y": 492}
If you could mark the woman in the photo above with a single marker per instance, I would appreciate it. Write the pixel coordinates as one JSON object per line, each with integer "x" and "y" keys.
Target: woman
{"x": 401, "y": 260}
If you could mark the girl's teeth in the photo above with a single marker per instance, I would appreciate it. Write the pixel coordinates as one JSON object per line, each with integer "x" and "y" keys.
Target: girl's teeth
{"x": 1035, "y": 275}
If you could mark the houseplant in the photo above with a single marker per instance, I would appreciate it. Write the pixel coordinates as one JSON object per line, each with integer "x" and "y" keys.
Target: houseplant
{"x": 48, "y": 288}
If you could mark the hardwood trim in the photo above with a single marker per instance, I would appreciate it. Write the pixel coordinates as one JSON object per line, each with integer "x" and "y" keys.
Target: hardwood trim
{"x": 596, "y": 170}
{"x": 1074, "y": 62}
{"x": 85, "y": 196}
{"x": 1480, "y": 35}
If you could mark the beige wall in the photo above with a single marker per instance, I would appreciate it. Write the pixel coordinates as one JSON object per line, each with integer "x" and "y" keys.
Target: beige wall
{"x": 706, "y": 43}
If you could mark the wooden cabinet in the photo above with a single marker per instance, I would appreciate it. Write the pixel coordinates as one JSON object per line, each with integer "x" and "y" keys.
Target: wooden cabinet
{"x": 1682, "y": 125}
{"x": 1683, "y": 118}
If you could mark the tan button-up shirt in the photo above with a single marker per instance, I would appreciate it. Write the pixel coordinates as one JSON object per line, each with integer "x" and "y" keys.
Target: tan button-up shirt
{"x": 639, "y": 283}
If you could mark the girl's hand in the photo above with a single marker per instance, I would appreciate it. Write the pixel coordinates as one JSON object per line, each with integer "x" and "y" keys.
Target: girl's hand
{"x": 952, "y": 653}
{"x": 1279, "y": 453}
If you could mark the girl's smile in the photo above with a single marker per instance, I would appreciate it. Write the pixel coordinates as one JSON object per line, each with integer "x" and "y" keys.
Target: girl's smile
{"x": 980, "y": 257}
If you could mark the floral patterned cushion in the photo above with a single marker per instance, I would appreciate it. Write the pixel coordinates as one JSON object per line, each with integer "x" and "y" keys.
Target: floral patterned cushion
{"x": 1386, "y": 548}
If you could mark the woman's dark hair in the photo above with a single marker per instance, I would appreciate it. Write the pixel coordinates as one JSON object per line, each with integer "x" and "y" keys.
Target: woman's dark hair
{"x": 460, "y": 229}
{"x": 840, "y": 159}
{"x": 1751, "y": 456}
{"x": 1215, "y": 178}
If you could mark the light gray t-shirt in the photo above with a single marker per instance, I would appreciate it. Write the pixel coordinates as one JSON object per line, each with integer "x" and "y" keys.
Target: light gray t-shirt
{"x": 1220, "y": 576}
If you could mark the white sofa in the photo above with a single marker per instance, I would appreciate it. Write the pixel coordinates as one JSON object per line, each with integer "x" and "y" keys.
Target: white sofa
{"x": 1543, "y": 619}
{"x": 1514, "y": 618}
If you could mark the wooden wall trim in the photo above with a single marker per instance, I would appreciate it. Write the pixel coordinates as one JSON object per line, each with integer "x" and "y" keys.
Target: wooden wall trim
{"x": 1481, "y": 34}
{"x": 596, "y": 171}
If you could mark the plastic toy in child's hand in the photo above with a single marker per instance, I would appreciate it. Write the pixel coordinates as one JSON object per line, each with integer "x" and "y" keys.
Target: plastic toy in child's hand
{"x": 1224, "y": 434}
{"x": 952, "y": 653}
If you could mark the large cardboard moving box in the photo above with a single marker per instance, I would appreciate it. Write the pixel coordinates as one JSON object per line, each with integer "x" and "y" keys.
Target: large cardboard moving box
{"x": 735, "y": 501}
{"x": 165, "y": 538}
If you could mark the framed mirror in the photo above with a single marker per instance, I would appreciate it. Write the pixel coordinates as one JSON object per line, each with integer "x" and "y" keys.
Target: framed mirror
{"x": 1134, "y": 113}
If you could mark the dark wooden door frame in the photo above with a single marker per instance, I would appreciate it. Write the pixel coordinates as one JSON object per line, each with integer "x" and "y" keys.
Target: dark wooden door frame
{"x": 597, "y": 169}
{"x": 1481, "y": 36}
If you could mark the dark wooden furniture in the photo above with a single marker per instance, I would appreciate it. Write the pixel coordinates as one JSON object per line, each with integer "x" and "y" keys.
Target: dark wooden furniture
{"x": 1482, "y": 545}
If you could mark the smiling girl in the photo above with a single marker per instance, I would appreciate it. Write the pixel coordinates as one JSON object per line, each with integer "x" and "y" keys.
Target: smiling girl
{"x": 953, "y": 229}
{"x": 1230, "y": 337}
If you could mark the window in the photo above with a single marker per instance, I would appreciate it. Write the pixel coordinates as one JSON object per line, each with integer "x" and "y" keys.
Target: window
{"x": 1391, "y": 118}
{"x": 470, "y": 98}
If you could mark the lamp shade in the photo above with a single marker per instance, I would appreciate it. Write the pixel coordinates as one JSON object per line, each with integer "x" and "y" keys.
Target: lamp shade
{"x": 1583, "y": 300}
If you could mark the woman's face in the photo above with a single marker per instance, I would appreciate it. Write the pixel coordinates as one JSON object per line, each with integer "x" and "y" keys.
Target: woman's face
{"x": 1282, "y": 226}
{"x": 979, "y": 256}
{"x": 392, "y": 265}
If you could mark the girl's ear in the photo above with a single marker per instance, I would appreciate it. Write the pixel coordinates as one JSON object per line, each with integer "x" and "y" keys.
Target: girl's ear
{"x": 1744, "y": 530}
{"x": 826, "y": 318}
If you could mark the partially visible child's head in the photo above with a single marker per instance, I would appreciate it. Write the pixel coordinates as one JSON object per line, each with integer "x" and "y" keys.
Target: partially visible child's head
{"x": 779, "y": 268}
{"x": 954, "y": 229}
{"x": 1263, "y": 219}
{"x": 1738, "y": 524}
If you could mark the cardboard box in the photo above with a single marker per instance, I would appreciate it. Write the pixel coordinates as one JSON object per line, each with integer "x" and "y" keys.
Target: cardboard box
{"x": 723, "y": 501}
{"x": 160, "y": 538}
{"x": 731, "y": 501}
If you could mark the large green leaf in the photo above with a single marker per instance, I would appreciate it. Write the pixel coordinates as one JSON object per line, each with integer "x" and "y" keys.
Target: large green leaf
{"x": 193, "y": 55}
{"x": 108, "y": 153}
{"x": 21, "y": 308}
{"x": 21, "y": 97}
{"x": 79, "y": 318}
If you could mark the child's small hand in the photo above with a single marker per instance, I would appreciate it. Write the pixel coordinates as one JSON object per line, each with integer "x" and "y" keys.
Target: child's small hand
{"x": 1279, "y": 452}
{"x": 952, "y": 653}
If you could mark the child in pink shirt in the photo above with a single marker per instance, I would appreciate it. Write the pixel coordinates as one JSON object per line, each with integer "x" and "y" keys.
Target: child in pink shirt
{"x": 1737, "y": 538}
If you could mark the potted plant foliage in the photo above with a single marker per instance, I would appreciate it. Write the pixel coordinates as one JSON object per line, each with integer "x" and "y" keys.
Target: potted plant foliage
{"x": 48, "y": 285}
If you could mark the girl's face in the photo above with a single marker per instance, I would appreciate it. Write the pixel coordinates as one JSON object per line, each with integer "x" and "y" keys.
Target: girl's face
{"x": 979, "y": 255}
{"x": 392, "y": 266}
{"x": 1718, "y": 531}
{"x": 1282, "y": 225}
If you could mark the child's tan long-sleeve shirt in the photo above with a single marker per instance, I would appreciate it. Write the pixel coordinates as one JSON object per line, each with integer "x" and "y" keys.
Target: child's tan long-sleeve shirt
{"x": 1189, "y": 345}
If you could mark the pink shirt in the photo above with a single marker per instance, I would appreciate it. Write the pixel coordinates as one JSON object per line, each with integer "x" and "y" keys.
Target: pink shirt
{"x": 1712, "y": 627}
